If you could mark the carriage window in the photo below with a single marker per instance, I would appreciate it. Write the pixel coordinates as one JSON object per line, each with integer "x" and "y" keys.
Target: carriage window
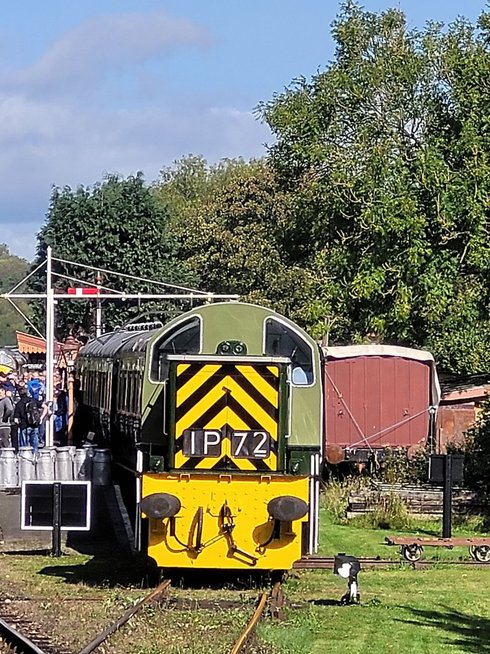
{"x": 282, "y": 341}
{"x": 184, "y": 338}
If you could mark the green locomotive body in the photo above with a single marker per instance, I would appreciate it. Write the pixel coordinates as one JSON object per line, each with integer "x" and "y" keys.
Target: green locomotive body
{"x": 217, "y": 416}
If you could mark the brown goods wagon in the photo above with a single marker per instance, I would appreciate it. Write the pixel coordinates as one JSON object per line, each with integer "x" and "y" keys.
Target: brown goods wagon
{"x": 377, "y": 397}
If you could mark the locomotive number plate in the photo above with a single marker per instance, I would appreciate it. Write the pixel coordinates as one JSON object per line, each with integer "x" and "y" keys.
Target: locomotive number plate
{"x": 250, "y": 444}
{"x": 209, "y": 443}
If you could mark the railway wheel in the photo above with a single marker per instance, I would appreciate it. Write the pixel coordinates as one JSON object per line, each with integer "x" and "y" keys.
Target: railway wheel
{"x": 412, "y": 553}
{"x": 482, "y": 553}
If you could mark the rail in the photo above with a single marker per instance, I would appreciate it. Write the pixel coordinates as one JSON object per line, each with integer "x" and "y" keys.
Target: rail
{"x": 17, "y": 641}
{"x": 327, "y": 562}
{"x": 103, "y": 635}
{"x": 250, "y": 626}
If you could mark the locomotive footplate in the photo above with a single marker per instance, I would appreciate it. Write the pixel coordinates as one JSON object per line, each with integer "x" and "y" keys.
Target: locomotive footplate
{"x": 412, "y": 547}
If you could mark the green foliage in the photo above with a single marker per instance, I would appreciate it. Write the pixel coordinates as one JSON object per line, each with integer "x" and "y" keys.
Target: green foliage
{"x": 385, "y": 154}
{"x": 230, "y": 222}
{"x": 370, "y": 214}
{"x": 335, "y": 498}
{"x": 398, "y": 468}
{"x": 12, "y": 270}
{"x": 389, "y": 511}
{"x": 116, "y": 225}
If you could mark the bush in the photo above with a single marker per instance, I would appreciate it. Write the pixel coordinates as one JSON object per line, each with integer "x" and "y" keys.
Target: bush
{"x": 336, "y": 496}
{"x": 390, "y": 512}
{"x": 398, "y": 468}
{"x": 477, "y": 453}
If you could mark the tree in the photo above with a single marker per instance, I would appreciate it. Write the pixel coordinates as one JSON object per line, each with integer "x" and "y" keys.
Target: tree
{"x": 116, "y": 225}
{"x": 229, "y": 221}
{"x": 384, "y": 155}
{"x": 12, "y": 270}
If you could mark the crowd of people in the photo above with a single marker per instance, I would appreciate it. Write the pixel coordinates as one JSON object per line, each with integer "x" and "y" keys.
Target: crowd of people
{"x": 24, "y": 411}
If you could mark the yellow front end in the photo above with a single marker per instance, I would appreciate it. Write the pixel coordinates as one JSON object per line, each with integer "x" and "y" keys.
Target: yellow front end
{"x": 223, "y": 521}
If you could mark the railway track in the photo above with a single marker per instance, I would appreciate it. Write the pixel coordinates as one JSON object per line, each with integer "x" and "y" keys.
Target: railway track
{"x": 13, "y": 638}
{"x": 14, "y": 627}
{"x": 19, "y": 635}
{"x": 276, "y": 601}
{"x": 155, "y": 594}
{"x": 327, "y": 563}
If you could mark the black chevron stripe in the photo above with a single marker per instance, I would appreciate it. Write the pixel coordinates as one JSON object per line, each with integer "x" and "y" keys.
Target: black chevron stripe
{"x": 191, "y": 463}
{"x": 199, "y": 393}
{"x": 225, "y": 463}
{"x": 210, "y": 413}
{"x": 250, "y": 389}
{"x": 260, "y": 465}
{"x": 192, "y": 370}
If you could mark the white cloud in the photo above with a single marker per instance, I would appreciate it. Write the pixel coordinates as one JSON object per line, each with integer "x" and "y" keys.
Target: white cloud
{"x": 106, "y": 44}
{"x": 45, "y": 144}
{"x": 53, "y": 135}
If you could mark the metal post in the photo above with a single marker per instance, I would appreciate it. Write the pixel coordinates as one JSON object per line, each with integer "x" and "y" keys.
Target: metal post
{"x": 447, "y": 497}
{"x": 98, "y": 306}
{"x": 56, "y": 551}
{"x": 71, "y": 404}
{"x": 49, "y": 344}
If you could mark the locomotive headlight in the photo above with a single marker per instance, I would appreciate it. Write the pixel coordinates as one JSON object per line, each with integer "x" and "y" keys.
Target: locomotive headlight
{"x": 160, "y": 505}
{"x": 236, "y": 348}
{"x": 287, "y": 508}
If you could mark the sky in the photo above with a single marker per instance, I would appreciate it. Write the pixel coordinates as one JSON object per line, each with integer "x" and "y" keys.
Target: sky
{"x": 120, "y": 86}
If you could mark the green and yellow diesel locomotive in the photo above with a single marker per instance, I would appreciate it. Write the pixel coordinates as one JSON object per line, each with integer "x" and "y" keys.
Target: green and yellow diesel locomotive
{"x": 218, "y": 416}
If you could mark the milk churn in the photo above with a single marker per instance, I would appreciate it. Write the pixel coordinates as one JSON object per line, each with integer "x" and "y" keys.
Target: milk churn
{"x": 45, "y": 467}
{"x": 27, "y": 464}
{"x": 101, "y": 467}
{"x": 85, "y": 457}
{"x": 64, "y": 464}
{"x": 8, "y": 468}
{"x": 82, "y": 465}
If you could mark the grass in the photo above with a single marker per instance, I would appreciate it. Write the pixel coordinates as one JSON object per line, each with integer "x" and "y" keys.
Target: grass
{"x": 359, "y": 540}
{"x": 438, "y": 610}
{"x": 430, "y": 611}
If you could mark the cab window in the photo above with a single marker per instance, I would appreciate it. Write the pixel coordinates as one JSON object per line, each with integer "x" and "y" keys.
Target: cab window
{"x": 184, "y": 338}
{"x": 282, "y": 341}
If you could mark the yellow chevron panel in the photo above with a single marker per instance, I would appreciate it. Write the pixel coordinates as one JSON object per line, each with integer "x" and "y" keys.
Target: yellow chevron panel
{"x": 227, "y": 384}
{"x": 195, "y": 382}
{"x": 182, "y": 367}
{"x": 264, "y": 388}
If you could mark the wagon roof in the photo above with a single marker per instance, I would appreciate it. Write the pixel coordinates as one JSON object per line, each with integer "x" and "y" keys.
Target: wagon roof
{"x": 374, "y": 349}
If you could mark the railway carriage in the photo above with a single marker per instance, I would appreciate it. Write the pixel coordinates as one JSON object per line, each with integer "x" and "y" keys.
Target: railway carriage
{"x": 218, "y": 417}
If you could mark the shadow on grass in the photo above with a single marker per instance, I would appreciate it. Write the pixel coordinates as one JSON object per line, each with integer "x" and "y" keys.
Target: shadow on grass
{"x": 102, "y": 572}
{"x": 140, "y": 571}
{"x": 471, "y": 633}
{"x": 326, "y": 602}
